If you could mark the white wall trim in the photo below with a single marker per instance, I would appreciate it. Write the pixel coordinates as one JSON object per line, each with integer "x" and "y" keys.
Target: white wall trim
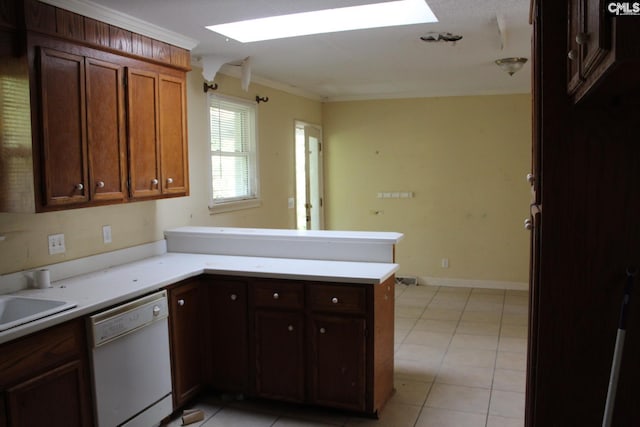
{"x": 119, "y": 19}
{"x": 472, "y": 283}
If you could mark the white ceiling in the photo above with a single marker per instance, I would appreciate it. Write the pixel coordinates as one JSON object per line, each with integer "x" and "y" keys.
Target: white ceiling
{"x": 363, "y": 64}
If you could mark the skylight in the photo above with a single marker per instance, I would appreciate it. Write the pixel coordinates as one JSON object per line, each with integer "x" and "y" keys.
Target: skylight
{"x": 402, "y": 12}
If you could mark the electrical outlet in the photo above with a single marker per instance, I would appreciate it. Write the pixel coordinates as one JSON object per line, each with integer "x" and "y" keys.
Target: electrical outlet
{"x": 445, "y": 263}
{"x": 106, "y": 234}
{"x": 56, "y": 244}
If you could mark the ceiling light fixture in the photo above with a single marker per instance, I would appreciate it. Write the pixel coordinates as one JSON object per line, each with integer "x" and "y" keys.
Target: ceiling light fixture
{"x": 511, "y": 65}
{"x": 377, "y": 15}
{"x": 440, "y": 37}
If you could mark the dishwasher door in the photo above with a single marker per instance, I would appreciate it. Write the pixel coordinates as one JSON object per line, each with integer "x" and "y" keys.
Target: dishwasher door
{"x": 131, "y": 363}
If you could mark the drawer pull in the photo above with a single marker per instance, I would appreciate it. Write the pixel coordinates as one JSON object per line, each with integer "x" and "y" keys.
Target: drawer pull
{"x": 276, "y": 295}
{"x": 169, "y": 180}
{"x": 290, "y": 328}
{"x": 234, "y": 297}
{"x": 100, "y": 184}
{"x": 180, "y": 302}
{"x": 79, "y": 187}
{"x": 334, "y": 300}
{"x": 323, "y": 331}
{"x": 154, "y": 181}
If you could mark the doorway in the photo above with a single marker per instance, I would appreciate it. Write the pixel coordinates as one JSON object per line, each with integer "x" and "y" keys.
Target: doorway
{"x": 309, "y": 191}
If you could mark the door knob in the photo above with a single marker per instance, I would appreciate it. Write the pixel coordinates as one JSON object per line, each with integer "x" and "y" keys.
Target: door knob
{"x": 528, "y": 224}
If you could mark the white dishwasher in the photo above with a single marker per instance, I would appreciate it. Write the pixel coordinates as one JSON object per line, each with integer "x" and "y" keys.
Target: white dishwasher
{"x": 131, "y": 363}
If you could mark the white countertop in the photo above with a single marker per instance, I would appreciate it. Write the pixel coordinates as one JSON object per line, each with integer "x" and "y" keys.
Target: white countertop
{"x": 106, "y": 287}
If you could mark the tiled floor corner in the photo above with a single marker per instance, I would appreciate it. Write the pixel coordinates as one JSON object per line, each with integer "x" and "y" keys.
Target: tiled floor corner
{"x": 460, "y": 360}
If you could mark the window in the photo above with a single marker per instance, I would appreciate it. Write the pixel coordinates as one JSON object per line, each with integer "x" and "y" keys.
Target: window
{"x": 234, "y": 175}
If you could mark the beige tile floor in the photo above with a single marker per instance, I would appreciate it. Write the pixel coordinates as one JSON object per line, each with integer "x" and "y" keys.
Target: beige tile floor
{"x": 459, "y": 362}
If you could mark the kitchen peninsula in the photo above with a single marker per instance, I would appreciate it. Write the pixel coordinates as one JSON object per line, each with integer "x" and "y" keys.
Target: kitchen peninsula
{"x": 300, "y": 316}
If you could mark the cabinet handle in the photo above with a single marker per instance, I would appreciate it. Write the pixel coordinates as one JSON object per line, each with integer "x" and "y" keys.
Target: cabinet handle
{"x": 100, "y": 184}
{"x": 323, "y": 330}
{"x": 156, "y": 310}
{"x": 275, "y": 295}
{"x": 180, "y": 302}
{"x": 334, "y": 300}
{"x": 169, "y": 180}
{"x": 154, "y": 181}
{"x": 290, "y": 328}
{"x": 528, "y": 224}
{"x": 572, "y": 55}
{"x": 79, "y": 187}
{"x": 582, "y": 38}
{"x": 234, "y": 297}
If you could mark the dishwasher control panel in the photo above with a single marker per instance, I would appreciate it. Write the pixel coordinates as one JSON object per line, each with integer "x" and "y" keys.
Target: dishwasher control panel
{"x": 128, "y": 318}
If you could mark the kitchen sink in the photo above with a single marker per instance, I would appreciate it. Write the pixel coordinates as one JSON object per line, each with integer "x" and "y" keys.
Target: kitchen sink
{"x": 16, "y": 310}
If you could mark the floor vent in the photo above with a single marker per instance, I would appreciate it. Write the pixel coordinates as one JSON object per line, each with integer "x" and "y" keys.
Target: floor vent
{"x": 406, "y": 280}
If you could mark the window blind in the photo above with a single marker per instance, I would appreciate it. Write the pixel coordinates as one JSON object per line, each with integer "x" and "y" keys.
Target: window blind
{"x": 232, "y": 150}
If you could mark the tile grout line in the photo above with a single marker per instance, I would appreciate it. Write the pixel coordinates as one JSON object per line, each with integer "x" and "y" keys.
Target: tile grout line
{"x": 495, "y": 361}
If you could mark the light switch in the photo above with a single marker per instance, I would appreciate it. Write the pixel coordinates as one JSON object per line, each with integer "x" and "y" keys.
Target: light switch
{"x": 106, "y": 234}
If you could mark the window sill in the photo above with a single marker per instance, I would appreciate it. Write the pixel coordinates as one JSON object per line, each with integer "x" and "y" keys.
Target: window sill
{"x": 234, "y": 206}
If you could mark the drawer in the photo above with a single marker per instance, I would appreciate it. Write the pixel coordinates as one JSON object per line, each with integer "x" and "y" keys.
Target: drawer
{"x": 277, "y": 294}
{"x": 337, "y": 298}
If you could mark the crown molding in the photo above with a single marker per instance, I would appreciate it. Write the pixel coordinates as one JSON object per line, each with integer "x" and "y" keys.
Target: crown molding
{"x": 127, "y": 22}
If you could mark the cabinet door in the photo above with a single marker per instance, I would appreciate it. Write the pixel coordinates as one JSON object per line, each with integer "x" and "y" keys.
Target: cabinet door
{"x": 595, "y": 37}
{"x": 63, "y": 131}
{"x": 573, "y": 49}
{"x": 337, "y": 362}
{"x": 186, "y": 340}
{"x": 173, "y": 135}
{"x": 142, "y": 114}
{"x": 56, "y": 398}
{"x": 279, "y": 355}
{"x": 105, "y": 130}
{"x": 228, "y": 354}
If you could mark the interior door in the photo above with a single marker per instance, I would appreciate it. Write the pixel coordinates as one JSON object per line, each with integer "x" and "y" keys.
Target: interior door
{"x": 309, "y": 190}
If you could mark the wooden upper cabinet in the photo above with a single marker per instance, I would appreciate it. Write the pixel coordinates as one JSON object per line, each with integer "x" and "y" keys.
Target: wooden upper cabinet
{"x": 595, "y": 37}
{"x": 106, "y": 130}
{"x": 144, "y": 147}
{"x": 173, "y": 135}
{"x": 63, "y": 129}
{"x": 602, "y": 50}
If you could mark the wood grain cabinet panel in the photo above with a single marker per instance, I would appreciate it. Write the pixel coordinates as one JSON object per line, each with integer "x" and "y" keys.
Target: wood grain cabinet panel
{"x": 144, "y": 147}
{"x": 106, "y": 130}
{"x": 173, "y": 135}
{"x": 603, "y": 52}
{"x": 44, "y": 378}
{"x": 337, "y": 365}
{"x": 63, "y": 114}
{"x": 186, "y": 314}
{"x": 55, "y": 398}
{"x": 228, "y": 353}
{"x": 279, "y": 355}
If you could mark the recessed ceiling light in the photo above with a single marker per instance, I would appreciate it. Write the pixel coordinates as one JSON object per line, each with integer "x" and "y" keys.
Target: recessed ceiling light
{"x": 402, "y": 12}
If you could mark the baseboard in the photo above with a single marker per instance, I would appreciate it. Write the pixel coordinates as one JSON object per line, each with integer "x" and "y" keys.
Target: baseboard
{"x": 472, "y": 283}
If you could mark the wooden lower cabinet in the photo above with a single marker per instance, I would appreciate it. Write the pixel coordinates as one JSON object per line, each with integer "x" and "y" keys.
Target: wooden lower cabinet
{"x": 227, "y": 357}
{"x": 53, "y": 398}
{"x": 44, "y": 379}
{"x": 337, "y": 362}
{"x": 279, "y": 355}
{"x": 185, "y": 320}
{"x": 325, "y": 344}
